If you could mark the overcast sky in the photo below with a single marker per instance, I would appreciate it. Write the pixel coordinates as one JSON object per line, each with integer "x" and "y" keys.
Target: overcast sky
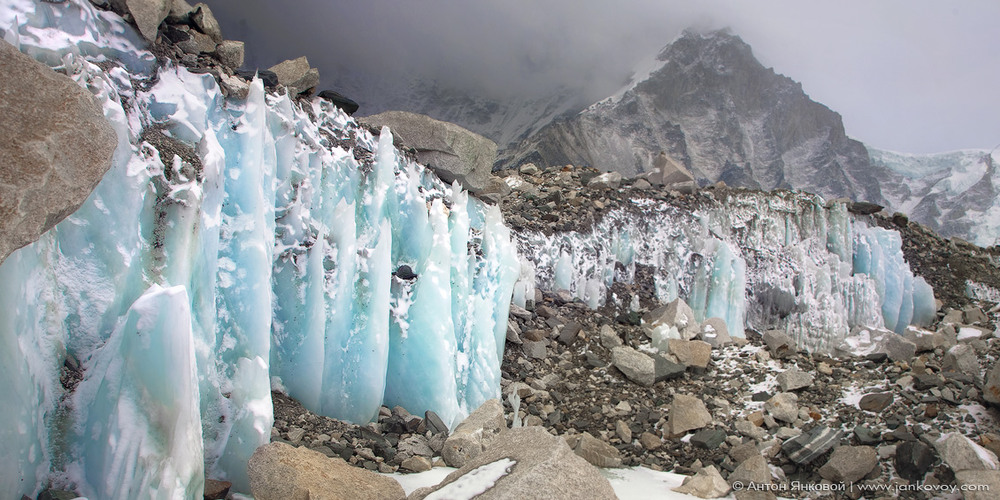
{"x": 915, "y": 76}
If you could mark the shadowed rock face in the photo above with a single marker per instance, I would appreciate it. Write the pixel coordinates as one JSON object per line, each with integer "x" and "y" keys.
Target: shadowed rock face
{"x": 717, "y": 110}
{"x": 55, "y": 145}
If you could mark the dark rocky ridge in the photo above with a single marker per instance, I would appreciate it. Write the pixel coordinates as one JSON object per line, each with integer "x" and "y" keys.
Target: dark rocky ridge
{"x": 716, "y": 109}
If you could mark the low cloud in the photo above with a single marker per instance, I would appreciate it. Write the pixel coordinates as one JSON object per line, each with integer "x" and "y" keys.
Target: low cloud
{"x": 915, "y": 76}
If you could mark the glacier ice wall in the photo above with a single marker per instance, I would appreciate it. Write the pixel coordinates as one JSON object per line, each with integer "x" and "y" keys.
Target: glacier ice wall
{"x": 777, "y": 260}
{"x": 231, "y": 242}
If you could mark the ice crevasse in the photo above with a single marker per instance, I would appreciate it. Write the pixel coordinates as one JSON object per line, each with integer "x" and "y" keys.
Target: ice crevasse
{"x": 188, "y": 283}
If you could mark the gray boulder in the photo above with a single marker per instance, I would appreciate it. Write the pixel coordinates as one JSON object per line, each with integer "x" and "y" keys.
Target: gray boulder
{"x": 474, "y": 434}
{"x": 296, "y": 75}
{"x": 865, "y": 342}
{"x": 56, "y": 147}
{"x": 597, "y": 452}
{"x": 230, "y": 53}
{"x": 180, "y": 12}
{"x": 692, "y": 353}
{"x": 991, "y": 389}
{"x": 794, "y": 379}
{"x": 978, "y": 484}
{"x": 636, "y": 366}
{"x": 715, "y": 332}
{"x": 687, "y": 413}
{"x": 674, "y": 320}
{"x": 779, "y": 343}
{"x": 960, "y": 453}
{"x": 535, "y": 465}
{"x": 783, "y": 406}
{"x": 707, "y": 483}
{"x": 205, "y": 21}
{"x": 146, "y": 14}
{"x": 962, "y": 358}
{"x": 454, "y": 153}
{"x": 849, "y": 464}
{"x": 279, "y": 471}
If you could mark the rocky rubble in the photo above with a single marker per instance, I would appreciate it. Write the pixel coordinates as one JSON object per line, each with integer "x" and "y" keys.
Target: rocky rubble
{"x": 192, "y": 37}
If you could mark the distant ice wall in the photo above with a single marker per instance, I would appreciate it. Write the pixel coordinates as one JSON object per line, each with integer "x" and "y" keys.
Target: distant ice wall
{"x": 231, "y": 242}
{"x": 778, "y": 260}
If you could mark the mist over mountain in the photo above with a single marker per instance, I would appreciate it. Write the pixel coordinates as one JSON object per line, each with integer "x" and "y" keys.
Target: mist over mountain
{"x": 710, "y": 104}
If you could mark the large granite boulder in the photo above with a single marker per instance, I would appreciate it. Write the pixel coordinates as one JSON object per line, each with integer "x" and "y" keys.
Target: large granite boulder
{"x": 474, "y": 433}
{"x": 55, "y": 146}
{"x": 296, "y": 75}
{"x": 526, "y": 463}
{"x": 146, "y": 14}
{"x": 453, "y": 152}
{"x": 279, "y": 471}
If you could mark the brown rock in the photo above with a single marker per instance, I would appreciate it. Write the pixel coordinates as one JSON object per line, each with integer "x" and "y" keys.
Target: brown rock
{"x": 216, "y": 490}
{"x": 282, "y": 472}
{"x": 543, "y": 467}
{"x": 56, "y": 147}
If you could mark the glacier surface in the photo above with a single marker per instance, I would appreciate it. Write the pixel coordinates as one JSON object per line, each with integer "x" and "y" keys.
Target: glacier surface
{"x": 230, "y": 243}
{"x": 780, "y": 260}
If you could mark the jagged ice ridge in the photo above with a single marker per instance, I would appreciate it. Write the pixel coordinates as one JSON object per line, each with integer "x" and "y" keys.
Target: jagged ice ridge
{"x": 780, "y": 260}
{"x": 185, "y": 285}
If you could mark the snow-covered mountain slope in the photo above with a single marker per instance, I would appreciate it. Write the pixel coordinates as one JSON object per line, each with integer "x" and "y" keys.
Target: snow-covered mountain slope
{"x": 707, "y": 102}
{"x": 712, "y": 106}
{"x": 953, "y": 193}
{"x": 503, "y": 120}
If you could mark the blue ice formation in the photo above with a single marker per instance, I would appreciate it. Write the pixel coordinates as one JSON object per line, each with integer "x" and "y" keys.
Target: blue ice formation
{"x": 186, "y": 286}
{"x": 779, "y": 260}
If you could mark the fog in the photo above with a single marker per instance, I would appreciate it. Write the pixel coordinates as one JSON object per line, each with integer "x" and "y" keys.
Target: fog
{"x": 910, "y": 76}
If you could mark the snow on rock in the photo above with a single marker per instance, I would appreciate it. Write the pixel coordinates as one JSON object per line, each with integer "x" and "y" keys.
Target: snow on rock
{"x": 231, "y": 241}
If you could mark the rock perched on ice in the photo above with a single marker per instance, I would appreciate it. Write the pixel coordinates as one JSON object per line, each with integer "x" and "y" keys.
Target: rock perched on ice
{"x": 282, "y": 472}
{"x": 454, "y": 153}
{"x": 960, "y": 453}
{"x": 56, "y": 147}
{"x": 526, "y": 463}
{"x": 669, "y": 173}
{"x": 707, "y": 483}
{"x": 296, "y": 75}
{"x": 675, "y": 320}
{"x": 687, "y": 413}
{"x": 474, "y": 434}
{"x": 350, "y": 106}
{"x": 849, "y": 464}
{"x": 147, "y": 14}
{"x": 205, "y": 21}
{"x": 230, "y": 53}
